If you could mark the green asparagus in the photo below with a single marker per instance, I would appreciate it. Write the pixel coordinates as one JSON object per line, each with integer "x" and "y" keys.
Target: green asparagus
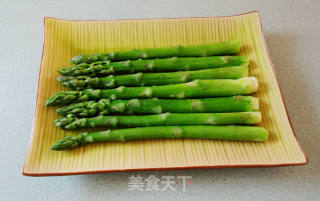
{"x": 239, "y": 133}
{"x": 103, "y": 68}
{"x": 194, "y": 89}
{"x": 165, "y": 119}
{"x": 150, "y": 79}
{"x": 157, "y": 106}
{"x": 222, "y": 48}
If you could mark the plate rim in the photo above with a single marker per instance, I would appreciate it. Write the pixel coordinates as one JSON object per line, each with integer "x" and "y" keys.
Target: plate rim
{"x": 25, "y": 173}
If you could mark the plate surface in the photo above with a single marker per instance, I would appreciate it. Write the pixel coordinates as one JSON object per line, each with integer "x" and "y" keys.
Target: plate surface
{"x": 65, "y": 39}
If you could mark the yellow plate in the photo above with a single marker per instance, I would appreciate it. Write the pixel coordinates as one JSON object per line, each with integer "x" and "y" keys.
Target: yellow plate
{"x": 66, "y": 38}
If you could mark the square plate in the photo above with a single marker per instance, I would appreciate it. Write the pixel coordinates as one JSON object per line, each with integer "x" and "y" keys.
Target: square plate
{"x": 66, "y": 38}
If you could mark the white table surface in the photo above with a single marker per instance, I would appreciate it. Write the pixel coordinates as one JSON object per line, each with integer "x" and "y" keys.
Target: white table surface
{"x": 292, "y": 32}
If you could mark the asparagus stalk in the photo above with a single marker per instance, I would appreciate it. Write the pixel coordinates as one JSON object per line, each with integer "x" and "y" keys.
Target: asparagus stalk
{"x": 157, "y": 106}
{"x": 239, "y": 133}
{"x": 222, "y": 48}
{"x": 194, "y": 89}
{"x": 103, "y": 68}
{"x": 165, "y": 119}
{"x": 150, "y": 79}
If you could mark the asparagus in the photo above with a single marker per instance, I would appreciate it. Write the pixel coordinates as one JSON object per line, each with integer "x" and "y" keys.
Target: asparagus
{"x": 157, "y": 106}
{"x": 239, "y": 133}
{"x": 222, "y": 48}
{"x": 149, "y": 79}
{"x": 165, "y": 119}
{"x": 194, "y": 89}
{"x": 103, "y": 68}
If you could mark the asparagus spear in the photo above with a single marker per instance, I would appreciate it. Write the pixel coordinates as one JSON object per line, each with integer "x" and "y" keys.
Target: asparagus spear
{"x": 157, "y": 106}
{"x": 165, "y": 119}
{"x": 194, "y": 89}
{"x": 149, "y": 79}
{"x": 222, "y": 48}
{"x": 239, "y": 133}
{"x": 103, "y": 68}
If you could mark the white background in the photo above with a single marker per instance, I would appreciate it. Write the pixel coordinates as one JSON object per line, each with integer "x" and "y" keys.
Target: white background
{"x": 292, "y": 32}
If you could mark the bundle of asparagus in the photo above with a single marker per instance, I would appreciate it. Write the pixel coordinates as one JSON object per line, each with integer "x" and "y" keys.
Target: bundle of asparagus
{"x": 164, "y": 81}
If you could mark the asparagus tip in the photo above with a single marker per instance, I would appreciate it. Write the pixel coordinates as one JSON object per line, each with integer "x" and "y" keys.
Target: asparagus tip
{"x": 52, "y": 101}
{"x": 62, "y": 97}
{"x": 80, "y": 59}
{"x": 68, "y": 142}
{"x": 68, "y": 122}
